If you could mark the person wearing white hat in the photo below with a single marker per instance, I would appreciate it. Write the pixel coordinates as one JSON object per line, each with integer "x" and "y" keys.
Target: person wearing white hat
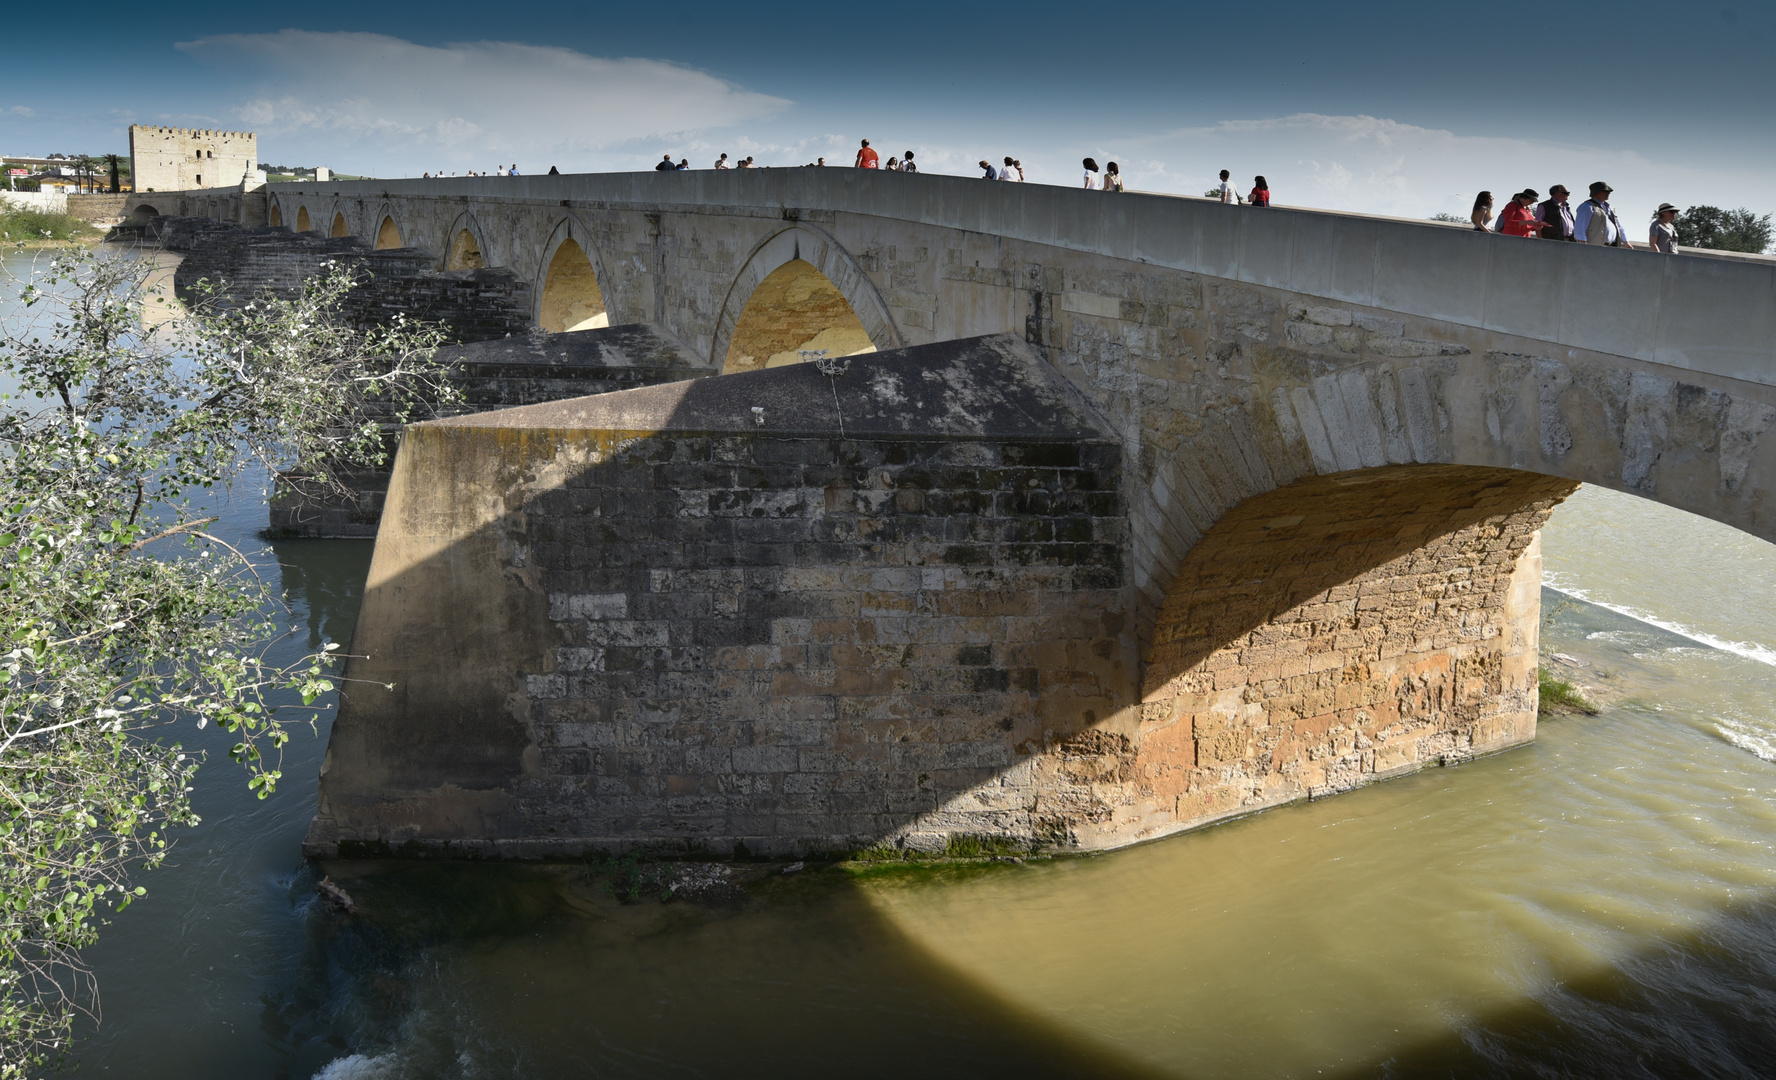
{"x": 1663, "y": 236}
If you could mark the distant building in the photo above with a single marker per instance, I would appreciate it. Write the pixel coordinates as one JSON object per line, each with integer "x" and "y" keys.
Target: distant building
{"x": 180, "y": 159}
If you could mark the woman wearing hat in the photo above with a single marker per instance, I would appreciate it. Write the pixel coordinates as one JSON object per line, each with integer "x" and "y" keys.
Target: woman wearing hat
{"x": 1663, "y": 236}
{"x": 1518, "y": 218}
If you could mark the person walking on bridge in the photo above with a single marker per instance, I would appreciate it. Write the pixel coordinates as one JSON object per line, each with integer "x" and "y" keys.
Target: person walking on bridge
{"x": 1663, "y": 235}
{"x": 665, "y": 164}
{"x": 1228, "y": 195}
{"x": 867, "y": 158}
{"x": 1013, "y": 170}
{"x": 1091, "y": 175}
{"x": 906, "y": 165}
{"x": 1518, "y": 219}
{"x": 1555, "y": 215}
{"x": 1260, "y": 195}
{"x": 721, "y": 162}
{"x": 1112, "y": 177}
{"x": 1482, "y": 212}
{"x": 987, "y": 170}
{"x": 1596, "y": 223}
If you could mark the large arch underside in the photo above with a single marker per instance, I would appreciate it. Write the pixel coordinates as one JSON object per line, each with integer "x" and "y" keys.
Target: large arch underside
{"x": 277, "y": 216}
{"x": 339, "y": 226}
{"x": 795, "y": 314}
{"x": 571, "y": 299}
{"x": 303, "y": 224}
{"x": 1342, "y": 629}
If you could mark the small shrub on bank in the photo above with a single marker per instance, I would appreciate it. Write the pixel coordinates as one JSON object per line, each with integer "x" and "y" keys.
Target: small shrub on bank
{"x": 1557, "y": 695}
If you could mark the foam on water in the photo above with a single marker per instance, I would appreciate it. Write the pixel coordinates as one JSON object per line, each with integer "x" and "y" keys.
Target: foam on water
{"x": 1750, "y": 650}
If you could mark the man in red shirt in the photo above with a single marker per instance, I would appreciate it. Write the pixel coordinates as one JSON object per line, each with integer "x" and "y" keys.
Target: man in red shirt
{"x": 866, "y": 158}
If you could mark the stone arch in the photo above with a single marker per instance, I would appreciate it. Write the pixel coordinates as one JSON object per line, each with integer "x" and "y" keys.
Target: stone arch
{"x": 277, "y": 215}
{"x": 822, "y": 254}
{"x": 388, "y": 234}
{"x": 340, "y": 228}
{"x": 1341, "y": 629}
{"x": 463, "y": 249}
{"x": 303, "y": 223}
{"x": 569, "y": 296}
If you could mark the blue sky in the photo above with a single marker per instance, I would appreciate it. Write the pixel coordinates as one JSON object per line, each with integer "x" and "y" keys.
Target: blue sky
{"x": 1385, "y": 107}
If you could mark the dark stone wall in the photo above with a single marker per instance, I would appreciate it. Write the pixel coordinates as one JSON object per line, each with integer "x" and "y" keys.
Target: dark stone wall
{"x": 714, "y": 635}
{"x": 471, "y": 305}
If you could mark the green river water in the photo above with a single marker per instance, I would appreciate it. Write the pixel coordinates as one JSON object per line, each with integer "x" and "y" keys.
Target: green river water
{"x": 1601, "y": 903}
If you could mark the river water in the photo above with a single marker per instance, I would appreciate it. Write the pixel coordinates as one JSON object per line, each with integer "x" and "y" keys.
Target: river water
{"x": 1601, "y": 903}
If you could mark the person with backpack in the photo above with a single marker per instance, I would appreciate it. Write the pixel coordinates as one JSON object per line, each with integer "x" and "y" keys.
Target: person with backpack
{"x": 1555, "y": 215}
{"x": 1596, "y": 223}
{"x": 1112, "y": 177}
{"x": 1517, "y": 219}
{"x": 905, "y": 166}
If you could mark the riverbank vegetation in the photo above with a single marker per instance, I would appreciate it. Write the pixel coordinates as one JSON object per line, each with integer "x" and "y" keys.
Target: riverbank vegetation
{"x": 38, "y": 228}
{"x": 123, "y": 618}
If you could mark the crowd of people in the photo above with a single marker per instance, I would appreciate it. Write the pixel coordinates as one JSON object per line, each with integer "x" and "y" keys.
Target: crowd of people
{"x": 1527, "y": 214}
{"x": 1553, "y": 218}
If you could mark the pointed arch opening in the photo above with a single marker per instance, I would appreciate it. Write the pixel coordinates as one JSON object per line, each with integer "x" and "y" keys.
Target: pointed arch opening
{"x": 571, "y": 297}
{"x": 339, "y": 226}
{"x": 388, "y": 236}
{"x": 465, "y": 253}
{"x": 303, "y": 224}
{"x": 277, "y": 216}
{"x": 794, "y": 312}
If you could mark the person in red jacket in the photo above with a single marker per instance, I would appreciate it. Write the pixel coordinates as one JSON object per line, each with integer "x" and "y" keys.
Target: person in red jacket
{"x": 867, "y": 158}
{"x": 1260, "y": 195}
{"x": 1518, "y": 217}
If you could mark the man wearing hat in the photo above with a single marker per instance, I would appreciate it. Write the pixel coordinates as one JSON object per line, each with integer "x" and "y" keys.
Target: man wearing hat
{"x": 1596, "y": 223}
{"x": 1518, "y": 219}
{"x": 1663, "y": 237}
{"x": 1555, "y": 215}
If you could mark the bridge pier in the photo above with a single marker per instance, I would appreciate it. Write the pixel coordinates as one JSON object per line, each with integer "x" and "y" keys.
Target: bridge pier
{"x": 895, "y": 612}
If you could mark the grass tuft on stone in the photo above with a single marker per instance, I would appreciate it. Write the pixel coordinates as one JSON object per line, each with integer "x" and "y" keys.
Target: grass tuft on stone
{"x": 1559, "y": 696}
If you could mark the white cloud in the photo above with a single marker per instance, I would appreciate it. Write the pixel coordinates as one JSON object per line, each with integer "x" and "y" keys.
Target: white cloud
{"x": 21, "y": 110}
{"x": 397, "y": 106}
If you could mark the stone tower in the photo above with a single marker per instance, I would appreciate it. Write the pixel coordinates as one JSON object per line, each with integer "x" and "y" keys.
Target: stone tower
{"x": 180, "y": 159}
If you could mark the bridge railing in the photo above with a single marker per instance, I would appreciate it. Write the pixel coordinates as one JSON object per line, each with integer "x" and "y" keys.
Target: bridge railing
{"x": 1707, "y": 314}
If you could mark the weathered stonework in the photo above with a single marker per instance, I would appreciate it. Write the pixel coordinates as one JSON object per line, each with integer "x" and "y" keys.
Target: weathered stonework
{"x": 1343, "y": 629}
{"x": 647, "y": 620}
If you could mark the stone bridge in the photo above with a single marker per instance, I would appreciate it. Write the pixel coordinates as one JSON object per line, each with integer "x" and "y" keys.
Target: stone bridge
{"x": 1148, "y": 511}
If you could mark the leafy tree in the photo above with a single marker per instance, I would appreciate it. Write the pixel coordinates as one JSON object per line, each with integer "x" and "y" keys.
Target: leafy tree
{"x": 1723, "y": 230}
{"x": 120, "y": 615}
{"x": 1442, "y": 216}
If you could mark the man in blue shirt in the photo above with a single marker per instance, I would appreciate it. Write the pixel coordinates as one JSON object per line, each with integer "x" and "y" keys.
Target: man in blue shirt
{"x": 1596, "y": 223}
